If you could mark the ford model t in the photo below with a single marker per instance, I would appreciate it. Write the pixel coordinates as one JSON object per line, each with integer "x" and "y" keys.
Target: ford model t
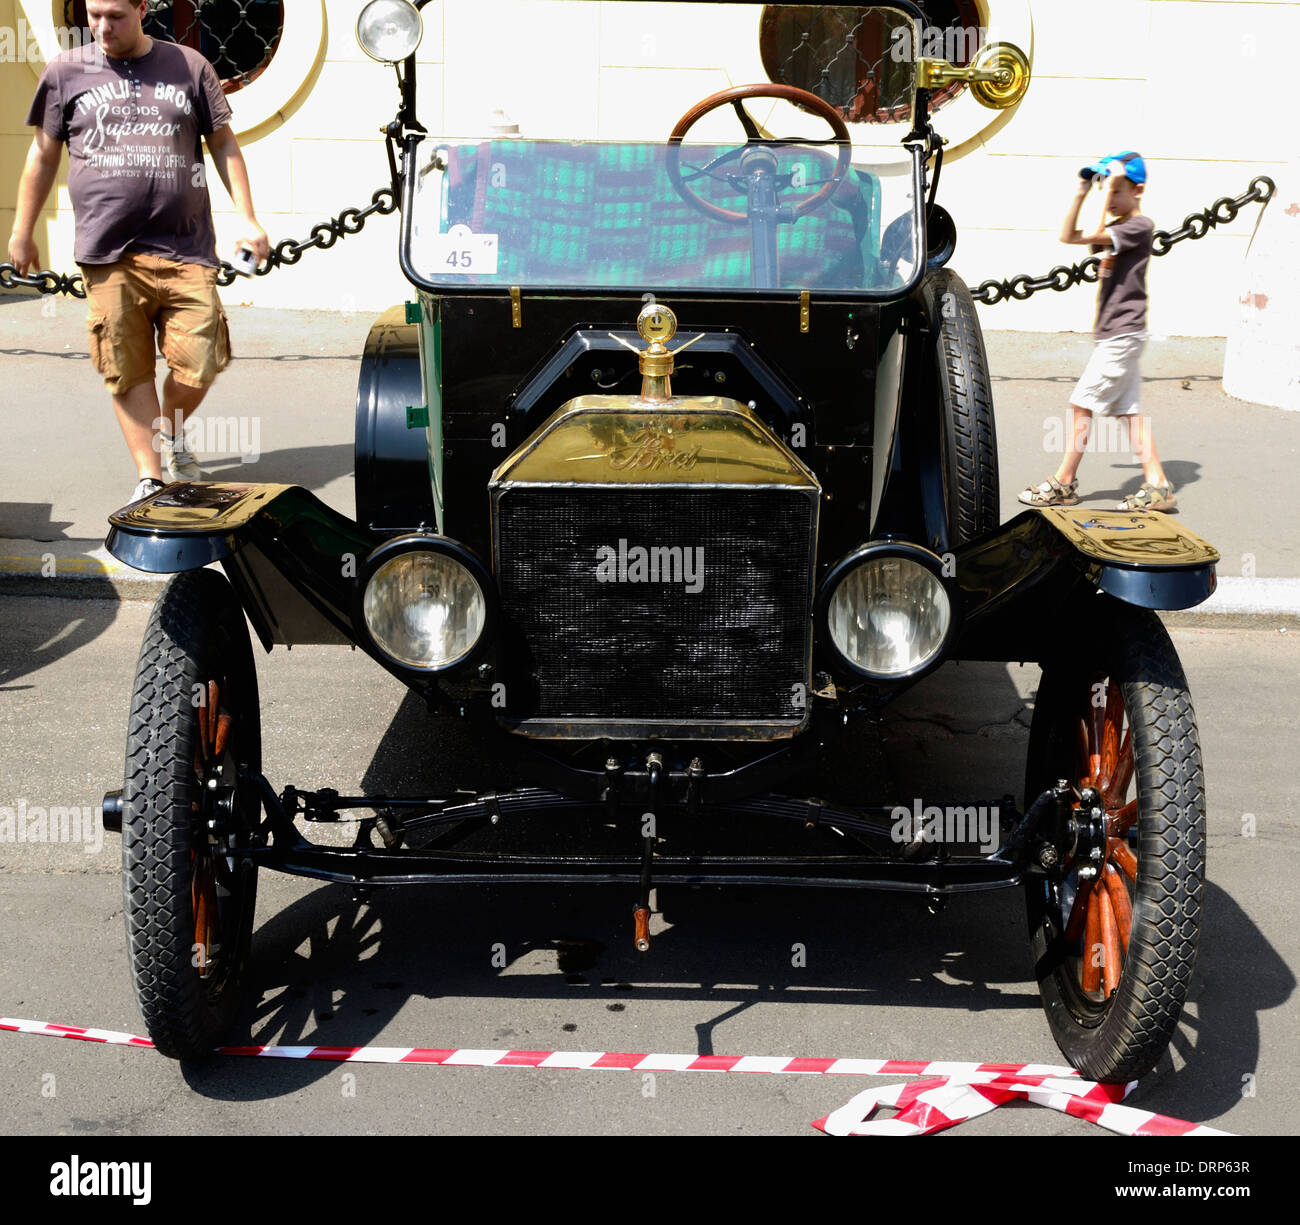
{"x": 678, "y": 469}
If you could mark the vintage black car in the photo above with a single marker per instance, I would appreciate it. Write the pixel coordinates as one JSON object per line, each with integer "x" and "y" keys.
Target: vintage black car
{"x": 679, "y": 467}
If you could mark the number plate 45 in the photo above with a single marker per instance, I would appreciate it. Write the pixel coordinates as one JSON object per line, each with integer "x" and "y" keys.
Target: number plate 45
{"x": 459, "y": 251}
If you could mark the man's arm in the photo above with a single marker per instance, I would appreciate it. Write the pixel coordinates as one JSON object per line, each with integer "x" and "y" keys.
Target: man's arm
{"x": 229, "y": 162}
{"x": 38, "y": 177}
{"x": 1070, "y": 230}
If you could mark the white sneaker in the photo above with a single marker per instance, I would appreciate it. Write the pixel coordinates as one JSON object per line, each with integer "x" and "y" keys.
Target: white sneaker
{"x": 178, "y": 464}
{"x": 148, "y": 485}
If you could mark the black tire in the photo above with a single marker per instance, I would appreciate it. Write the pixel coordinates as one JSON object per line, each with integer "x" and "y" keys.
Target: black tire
{"x": 1119, "y": 1035}
{"x": 965, "y": 399}
{"x": 188, "y": 971}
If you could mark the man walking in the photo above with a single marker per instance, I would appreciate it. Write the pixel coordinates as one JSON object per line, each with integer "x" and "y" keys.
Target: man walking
{"x": 133, "y": 118}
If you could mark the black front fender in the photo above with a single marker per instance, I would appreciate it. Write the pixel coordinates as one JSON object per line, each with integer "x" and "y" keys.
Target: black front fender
{"x": 291, "y": 558}
{"x": 1022, "y": 584}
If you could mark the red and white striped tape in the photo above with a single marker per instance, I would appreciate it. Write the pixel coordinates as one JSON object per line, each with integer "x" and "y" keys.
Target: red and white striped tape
{"x": 927, "y": 1106}
{"x": 951, "y": 1093}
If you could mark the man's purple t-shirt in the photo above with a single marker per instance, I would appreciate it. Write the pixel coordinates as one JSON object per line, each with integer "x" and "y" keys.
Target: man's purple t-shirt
{"x": 134, "y": 133}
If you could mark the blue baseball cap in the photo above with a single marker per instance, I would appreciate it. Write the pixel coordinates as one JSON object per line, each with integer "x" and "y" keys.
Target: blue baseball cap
{"x": 1128, "y": 163}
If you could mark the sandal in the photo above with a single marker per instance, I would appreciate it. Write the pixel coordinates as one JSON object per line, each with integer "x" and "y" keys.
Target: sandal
{"x": 1051, "y": 493}
{"x": 1150, "y": 497}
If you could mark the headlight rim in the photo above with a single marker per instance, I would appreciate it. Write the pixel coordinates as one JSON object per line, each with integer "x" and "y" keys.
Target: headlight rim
{"x": 423, "y": 542}
{"x": 419, "y": 17}
{"x": 873, "y": 549}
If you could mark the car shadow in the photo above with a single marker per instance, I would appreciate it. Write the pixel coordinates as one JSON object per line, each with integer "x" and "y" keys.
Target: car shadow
{"x": 27, "y": 645}
{"x": 31, "y": 521}
{"x": 331, "y": 970}
{"x": 1239, "y": 976}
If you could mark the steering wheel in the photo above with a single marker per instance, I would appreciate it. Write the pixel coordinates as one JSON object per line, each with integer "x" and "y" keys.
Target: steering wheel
{"x": 735, "y": 96}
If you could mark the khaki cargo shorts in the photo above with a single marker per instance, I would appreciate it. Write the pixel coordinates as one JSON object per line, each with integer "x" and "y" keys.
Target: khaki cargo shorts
{"x": 143, "y": 295}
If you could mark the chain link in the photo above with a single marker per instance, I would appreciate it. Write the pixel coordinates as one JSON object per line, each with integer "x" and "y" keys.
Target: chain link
{"x": 284, "y": 254}
{"x": 1196, "y": 225}
{"x": 352, "y": 220}
{"x": 324, "y": 234}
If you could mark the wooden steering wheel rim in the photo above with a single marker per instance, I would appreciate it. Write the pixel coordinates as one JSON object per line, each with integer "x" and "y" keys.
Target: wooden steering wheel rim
{"x": 764, "y": 89}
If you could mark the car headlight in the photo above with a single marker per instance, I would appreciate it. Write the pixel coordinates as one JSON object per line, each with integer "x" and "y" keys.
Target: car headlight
{"x": 424, "y": 609}
{"x": 888, "y": 611}
{"x": 389, "y": 30}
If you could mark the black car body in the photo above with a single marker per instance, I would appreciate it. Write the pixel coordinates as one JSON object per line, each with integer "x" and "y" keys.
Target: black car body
{"x": 670, "y": 581}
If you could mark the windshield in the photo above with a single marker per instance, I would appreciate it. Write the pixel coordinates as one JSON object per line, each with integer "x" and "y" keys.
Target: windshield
{"x": 609, "y": 215}
{"x": 689, "y": 146}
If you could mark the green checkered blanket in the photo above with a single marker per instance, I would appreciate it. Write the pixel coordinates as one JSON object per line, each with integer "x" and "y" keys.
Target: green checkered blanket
{"x": 604, "y": 215}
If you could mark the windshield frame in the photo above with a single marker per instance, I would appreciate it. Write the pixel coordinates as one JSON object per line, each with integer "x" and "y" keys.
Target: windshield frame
{"x": 916, "y": 149}
{"x": 920, "y": 142}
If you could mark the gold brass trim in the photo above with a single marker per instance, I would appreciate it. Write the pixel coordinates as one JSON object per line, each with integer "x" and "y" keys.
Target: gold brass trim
{"x": 998, "y": 75}
{"x": 667, "y": 729}
{"x": 1132, "y": 538}
{"x": 805, "y": 310}
{"x": 208, "y": 507}
{"x": 516, "y": 308}
{"x": 621, "y": 440}
{"x": 656, "y": 324}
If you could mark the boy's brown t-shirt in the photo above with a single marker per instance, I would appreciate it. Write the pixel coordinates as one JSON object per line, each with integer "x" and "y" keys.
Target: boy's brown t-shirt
{"x": 134, "y": 130}
{"x": 1122, "y": 279}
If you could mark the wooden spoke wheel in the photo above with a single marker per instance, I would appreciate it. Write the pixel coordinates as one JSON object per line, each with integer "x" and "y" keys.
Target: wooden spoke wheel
{"x": 193, "y": 749}
{"x": 1097, "y": 898}
{"x": 1114, "y": 928}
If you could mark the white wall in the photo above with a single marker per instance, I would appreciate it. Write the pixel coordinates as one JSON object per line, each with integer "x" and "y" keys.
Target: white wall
{"x": 1200, "y": 87}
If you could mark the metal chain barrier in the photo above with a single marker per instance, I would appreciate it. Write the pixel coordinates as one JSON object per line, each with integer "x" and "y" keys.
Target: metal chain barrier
{"x": 352, "y": 220}
{"x": 324, "y": 234}
{"x": 1196, "y": 225}
{"x": 284, "y": 254}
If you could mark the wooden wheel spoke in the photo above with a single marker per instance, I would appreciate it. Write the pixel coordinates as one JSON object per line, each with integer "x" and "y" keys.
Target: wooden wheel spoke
{"x": 208, "y": 716}
{"x": 222, "y": 736}
{"x": 1112, "y": 958}
{"x": 203, "y": 897}
{"x": 1112, "y": 722}
{"x": 1081, "y": 736}
{"x": 1123, "y": 858}
{"x": 1122, "y": 774}
{"x": 1090, "y": 971}
{"x": 1120, "y": 903}
{"x": 1075, "y": 921}
{"x": 1096, "y": 723}
{"x": 1121, "y": 822}
{"x": 202, "y": 751}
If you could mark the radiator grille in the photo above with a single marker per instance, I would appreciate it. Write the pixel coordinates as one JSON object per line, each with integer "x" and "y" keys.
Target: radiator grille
{"x": 656, "y": 652}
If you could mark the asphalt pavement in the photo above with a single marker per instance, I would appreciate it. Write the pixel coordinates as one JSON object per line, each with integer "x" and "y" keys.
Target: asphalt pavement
{"x": 882, "y": 978}
{"x": 741, "y": 971}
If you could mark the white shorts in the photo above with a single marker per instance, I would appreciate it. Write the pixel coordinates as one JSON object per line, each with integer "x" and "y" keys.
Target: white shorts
{"x": 1112, "y": 378}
